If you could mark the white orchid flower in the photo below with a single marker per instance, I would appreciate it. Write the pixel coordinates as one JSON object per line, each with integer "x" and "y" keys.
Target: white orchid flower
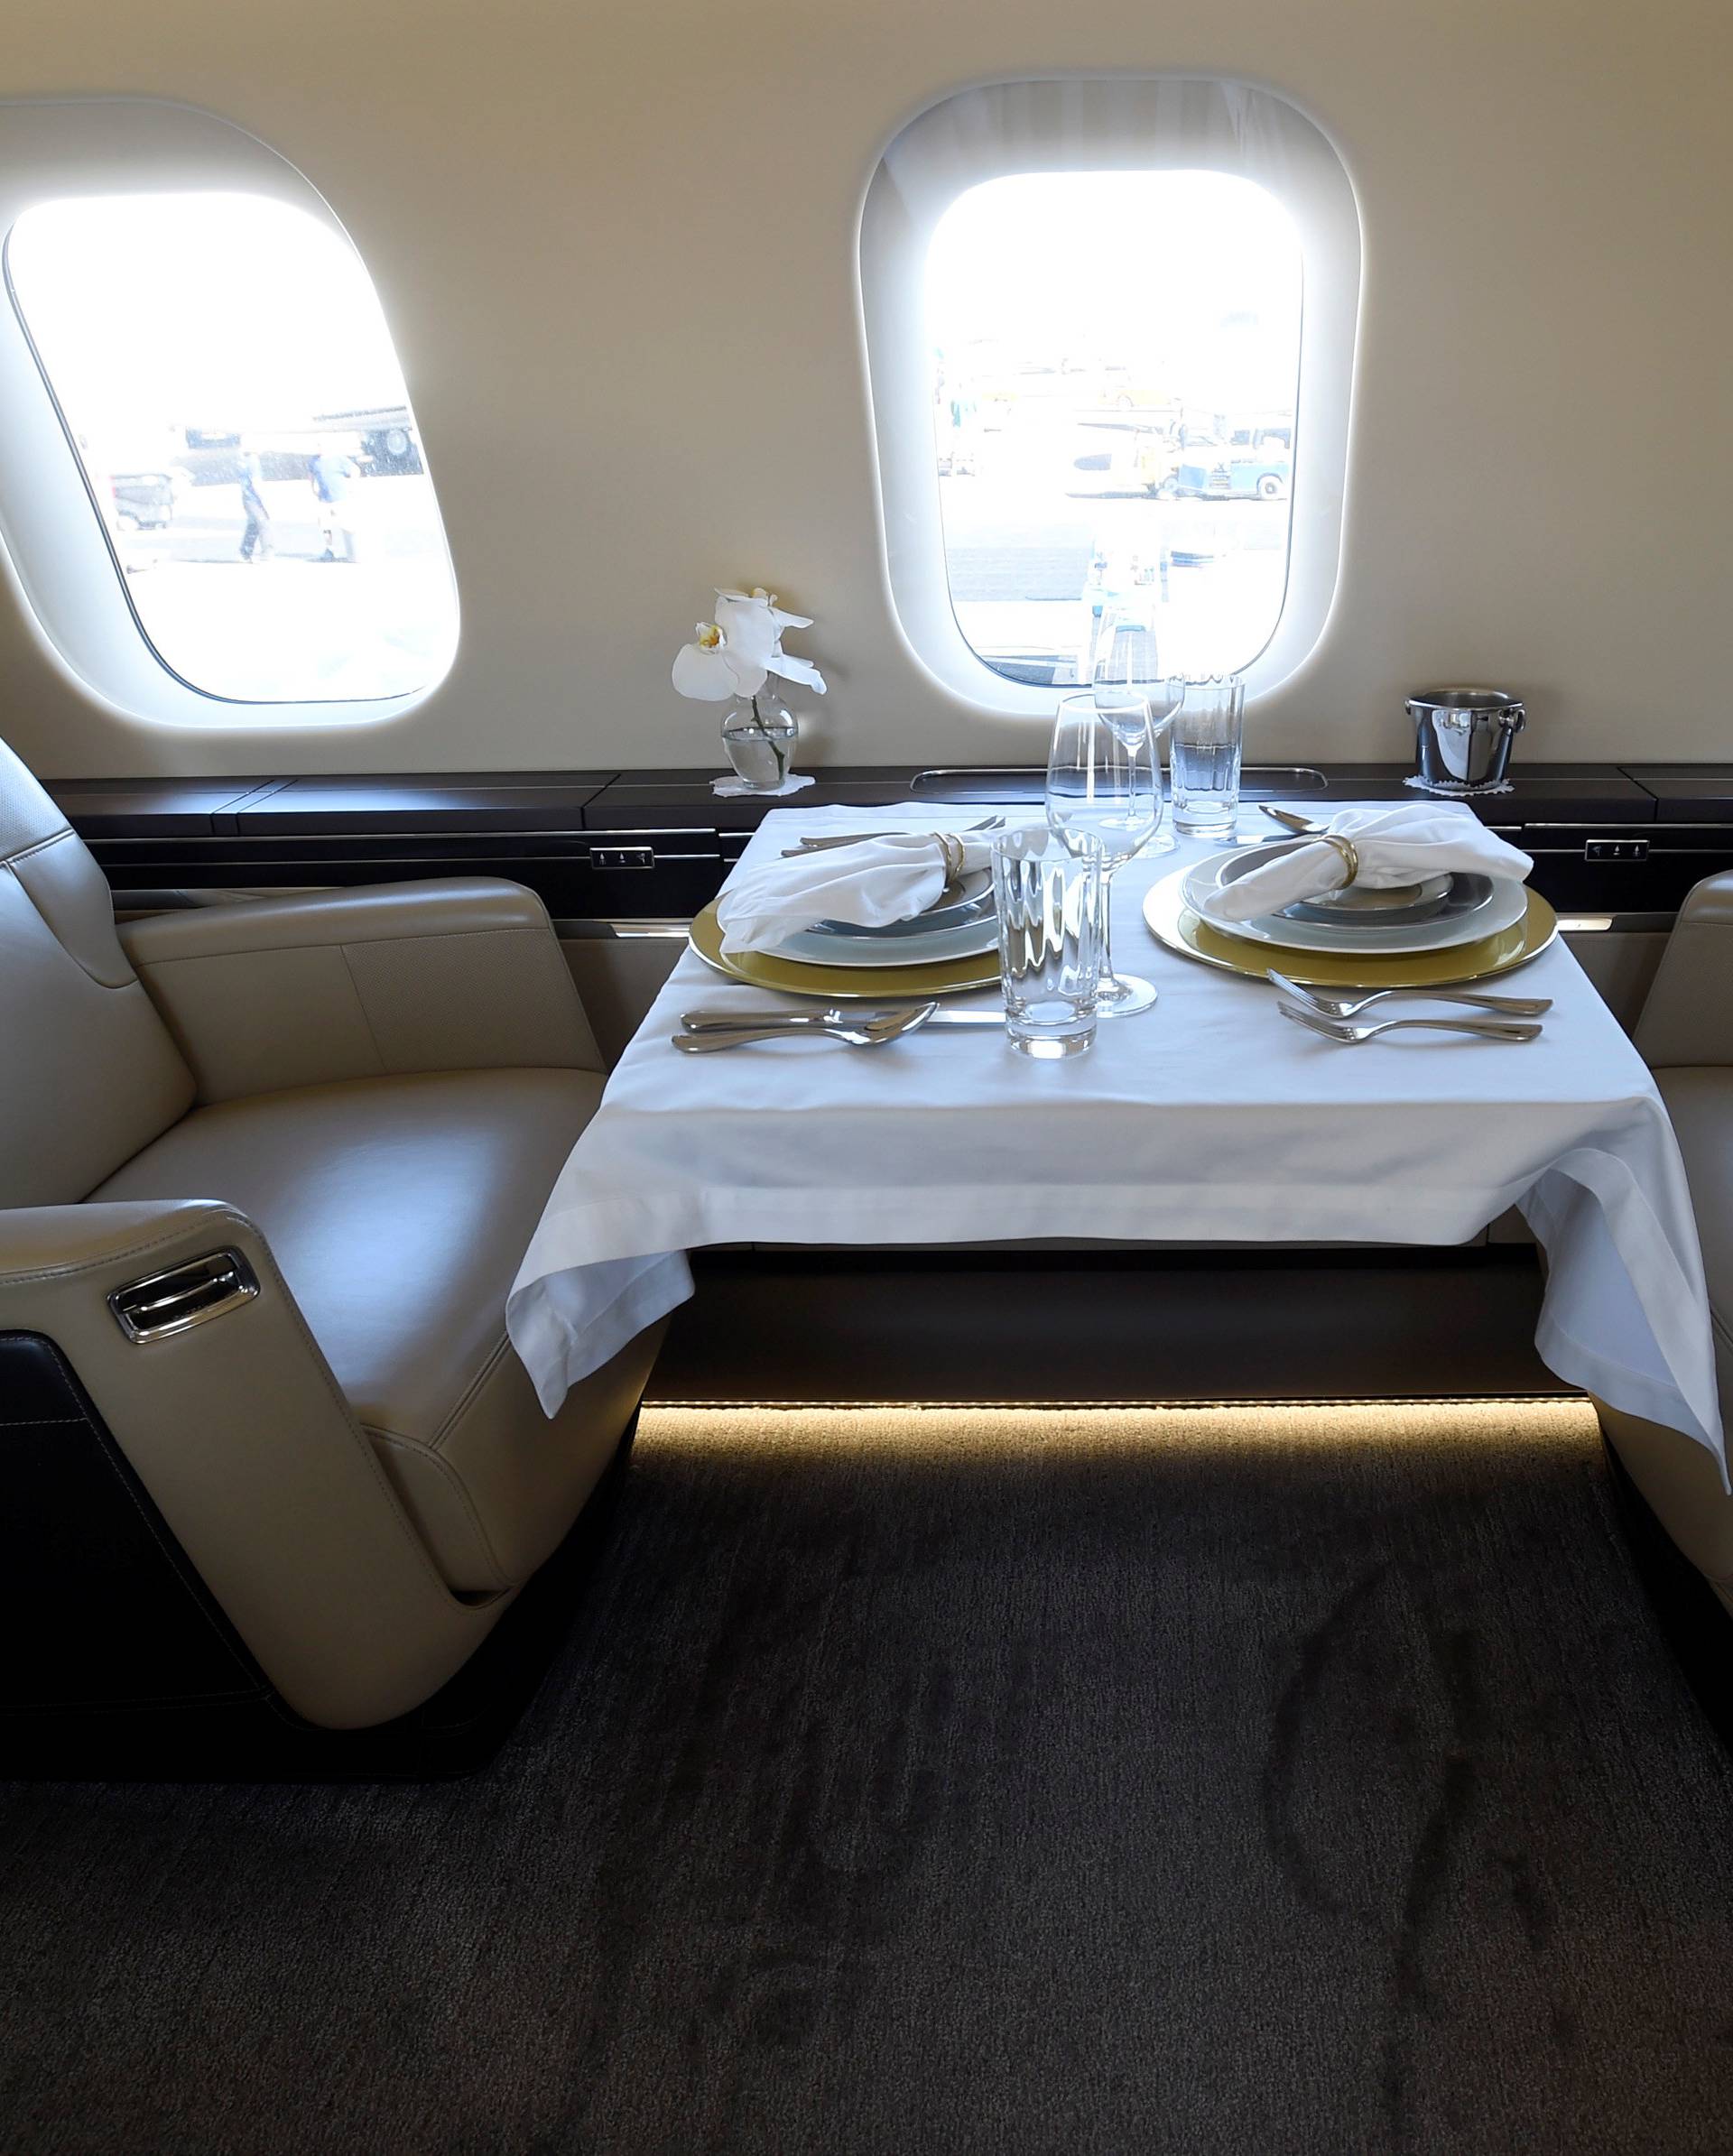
{"x": 709, "y": 670}
{"x": 736, "y": 655}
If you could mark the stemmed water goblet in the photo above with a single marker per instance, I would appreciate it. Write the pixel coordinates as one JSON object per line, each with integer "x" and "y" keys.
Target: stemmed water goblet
{"x": 1128, "y": 684}
{"x": 1104, "y": 783}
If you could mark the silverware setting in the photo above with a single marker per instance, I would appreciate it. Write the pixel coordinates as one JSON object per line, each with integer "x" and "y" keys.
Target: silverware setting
{"x": 809, "y": 1022}
{"x": 1353, "y": 1001}
{"x": 822, "y": 842}
{"x": 1347, "y": 1035}
{"x": 1514, "y": 1018}
{"x": 873, "y": 1031}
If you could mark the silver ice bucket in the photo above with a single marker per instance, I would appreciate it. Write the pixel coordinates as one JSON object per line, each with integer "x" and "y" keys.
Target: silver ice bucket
{"x": 1462, "y": 739}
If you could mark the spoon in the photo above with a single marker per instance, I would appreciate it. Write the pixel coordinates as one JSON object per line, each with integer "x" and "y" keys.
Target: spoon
{"x": 866, "y": 1033}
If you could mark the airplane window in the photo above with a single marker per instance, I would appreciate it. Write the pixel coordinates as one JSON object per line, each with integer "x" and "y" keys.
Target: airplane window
{"x": 1115, "y": 363}
{"x": 224, "y": 372}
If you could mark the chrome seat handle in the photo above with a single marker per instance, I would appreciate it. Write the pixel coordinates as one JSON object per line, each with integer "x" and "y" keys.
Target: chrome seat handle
{"x": 160, "y": 1303}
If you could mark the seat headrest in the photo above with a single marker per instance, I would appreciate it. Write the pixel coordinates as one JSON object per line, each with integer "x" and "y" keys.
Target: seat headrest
{"x": 27, "y": 815}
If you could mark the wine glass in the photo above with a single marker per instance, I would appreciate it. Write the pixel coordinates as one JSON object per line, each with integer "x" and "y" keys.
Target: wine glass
{"x": 1128, "y": 684}
{"x": 1104, "y": 782}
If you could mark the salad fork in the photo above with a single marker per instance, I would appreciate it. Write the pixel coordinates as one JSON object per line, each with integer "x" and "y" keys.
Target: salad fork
{"x": 1350, "y": 1006}
{"x": 1350, "y": 1036}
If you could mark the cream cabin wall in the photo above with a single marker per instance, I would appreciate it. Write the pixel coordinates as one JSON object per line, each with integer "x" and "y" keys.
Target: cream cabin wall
{"x": 616, "y": 243}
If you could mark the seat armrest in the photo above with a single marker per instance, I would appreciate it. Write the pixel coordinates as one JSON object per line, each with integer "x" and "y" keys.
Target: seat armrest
{"x": 236, "y": 1428}
{"x": 460, "y": 975}
{"x": 1688, "y": 1018}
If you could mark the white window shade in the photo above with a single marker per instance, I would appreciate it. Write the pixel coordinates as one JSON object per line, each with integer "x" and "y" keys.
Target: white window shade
{"x": 1110, "y": 326}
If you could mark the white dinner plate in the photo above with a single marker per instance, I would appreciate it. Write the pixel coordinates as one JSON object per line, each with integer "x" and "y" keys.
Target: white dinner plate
{"x": 926, "y": 947}
{"x": 960, "y": 904}
{"x": 1477, "y": 906}
{"x": 1355, "y": 905}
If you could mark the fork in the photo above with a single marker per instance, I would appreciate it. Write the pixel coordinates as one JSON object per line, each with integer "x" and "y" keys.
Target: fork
{"x": 1350, "y": 1036}
{"x": 822, "y": 843}
{"x": 1350, "y": 1006}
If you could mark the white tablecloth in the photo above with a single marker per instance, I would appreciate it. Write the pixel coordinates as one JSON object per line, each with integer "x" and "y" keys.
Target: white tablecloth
{"x": 1208, "y": 1119}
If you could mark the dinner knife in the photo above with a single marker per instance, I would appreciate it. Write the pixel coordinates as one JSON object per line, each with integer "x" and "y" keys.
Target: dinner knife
{"x": 800, "y": 1022}
{"x": 1291, "y": 820}
{"x": 826, "y": 842}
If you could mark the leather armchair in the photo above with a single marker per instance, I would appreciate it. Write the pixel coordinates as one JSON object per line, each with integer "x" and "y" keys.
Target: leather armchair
{"x": 1685, "y": 1034}
{"x": 266, "y": 1171}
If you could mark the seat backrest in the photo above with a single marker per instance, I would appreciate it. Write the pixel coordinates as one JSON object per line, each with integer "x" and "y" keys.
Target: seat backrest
{"x": 1687, "y": 1020}
{"x": 88, "y": 1074}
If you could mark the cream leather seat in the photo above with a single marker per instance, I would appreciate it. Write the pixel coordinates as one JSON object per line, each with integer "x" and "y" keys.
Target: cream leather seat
{"x": 1686, "y": 1036}
{"x": 397, "y": 1210}
{"x": 331, "y": 1122}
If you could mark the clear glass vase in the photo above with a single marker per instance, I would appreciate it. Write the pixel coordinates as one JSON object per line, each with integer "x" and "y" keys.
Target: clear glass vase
{"x": 758, "y": 740}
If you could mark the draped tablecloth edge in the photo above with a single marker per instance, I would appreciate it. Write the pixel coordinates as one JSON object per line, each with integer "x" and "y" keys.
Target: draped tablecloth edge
{"x": 557, "y": 1351}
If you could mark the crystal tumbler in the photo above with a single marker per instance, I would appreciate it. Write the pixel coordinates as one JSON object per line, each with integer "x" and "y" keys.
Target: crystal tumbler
{"x": 1050, "y": 894}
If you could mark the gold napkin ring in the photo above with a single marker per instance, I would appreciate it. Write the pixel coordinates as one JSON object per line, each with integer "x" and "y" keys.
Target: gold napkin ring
{"x": 1345, "y": 847}
{"x": 951, "y": 846}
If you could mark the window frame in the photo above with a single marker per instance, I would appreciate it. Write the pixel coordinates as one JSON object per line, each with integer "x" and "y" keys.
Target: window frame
{"x": 57, "y": 552}
{"x": 1142, "y": 123}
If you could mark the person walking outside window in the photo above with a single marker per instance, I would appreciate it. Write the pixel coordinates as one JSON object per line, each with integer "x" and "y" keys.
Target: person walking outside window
{"x": 332, "y": 473}
{"x": 256, "y": 542}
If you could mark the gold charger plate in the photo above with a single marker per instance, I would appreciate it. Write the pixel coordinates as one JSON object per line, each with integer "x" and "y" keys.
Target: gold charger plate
{"x": 843, "y": 983}
{"x": 1173, "y": 922}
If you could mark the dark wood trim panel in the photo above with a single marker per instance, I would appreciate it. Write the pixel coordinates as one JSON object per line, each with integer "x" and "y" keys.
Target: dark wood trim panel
{"x": 1700, "y": 793}
{"x": 655, "y": 844}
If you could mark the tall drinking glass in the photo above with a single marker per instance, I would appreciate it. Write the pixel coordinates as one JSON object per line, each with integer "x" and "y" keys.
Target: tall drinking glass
{"x": 1104, "y": 785}
{"x": 1205, "y": 752}
{"x": 1048, "y": 898}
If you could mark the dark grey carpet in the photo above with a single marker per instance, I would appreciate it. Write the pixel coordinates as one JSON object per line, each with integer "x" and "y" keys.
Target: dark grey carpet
{"x": 964, "y": 1783}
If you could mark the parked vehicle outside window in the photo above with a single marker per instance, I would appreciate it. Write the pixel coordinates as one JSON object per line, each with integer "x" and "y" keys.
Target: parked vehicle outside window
{"x": 143, "y": 501}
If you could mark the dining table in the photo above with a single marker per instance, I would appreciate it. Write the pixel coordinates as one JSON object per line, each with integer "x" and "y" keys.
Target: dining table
{"x": 1208, "y": 1119}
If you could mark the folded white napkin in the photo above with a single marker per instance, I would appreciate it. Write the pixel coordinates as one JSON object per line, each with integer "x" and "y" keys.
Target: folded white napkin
{"x": 873, "y": 882}
{"x": 1395, "y": 845}
{"x": 732, "y": 789}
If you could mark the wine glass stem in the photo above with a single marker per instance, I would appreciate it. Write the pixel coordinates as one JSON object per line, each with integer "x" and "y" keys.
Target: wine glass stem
{"x": 1107, "y": 874}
